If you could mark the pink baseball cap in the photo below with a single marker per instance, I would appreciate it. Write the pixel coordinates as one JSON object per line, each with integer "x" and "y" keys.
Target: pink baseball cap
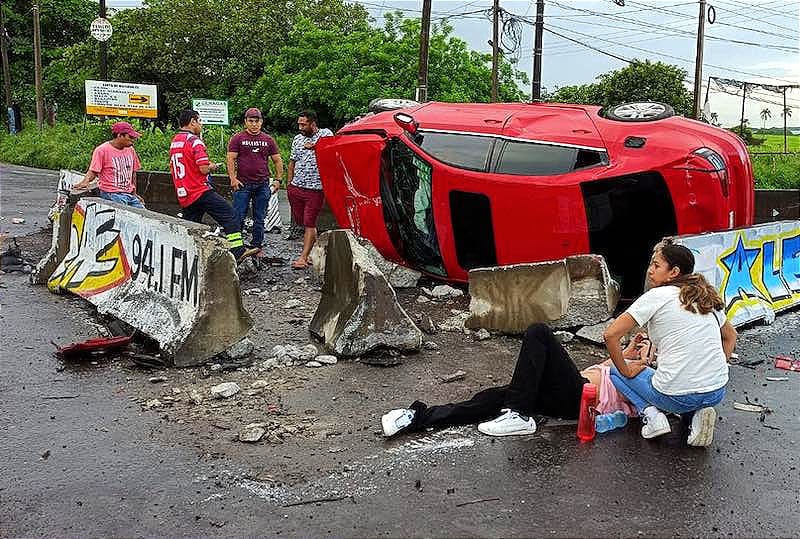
{"x": 253, "y": 112}
{"x": 124, "y": 128}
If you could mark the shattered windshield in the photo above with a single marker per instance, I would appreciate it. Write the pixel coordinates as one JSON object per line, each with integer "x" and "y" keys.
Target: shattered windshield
{"x": 406, "y": 186}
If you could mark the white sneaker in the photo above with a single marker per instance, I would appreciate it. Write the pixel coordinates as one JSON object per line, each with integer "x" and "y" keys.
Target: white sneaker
{"x": 396, "y": 420}
{"x": 510, "y": 423}
{"x": 701, "y": 433}
{"x": 655, "y": 425}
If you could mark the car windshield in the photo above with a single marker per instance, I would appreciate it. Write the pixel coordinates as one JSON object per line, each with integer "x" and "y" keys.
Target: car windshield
{"x": 406, "y": 186}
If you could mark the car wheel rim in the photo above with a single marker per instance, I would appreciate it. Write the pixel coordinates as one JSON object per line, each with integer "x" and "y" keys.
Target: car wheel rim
{"x": 643, "y": 110}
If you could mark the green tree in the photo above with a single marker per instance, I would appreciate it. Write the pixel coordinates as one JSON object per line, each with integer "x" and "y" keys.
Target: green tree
{"x": 337, "y": 75}
{"x": 640, "y": 81}
{"x": 202, "y": 48}
{"x": 62, "y": 23}
{"x": 765, "y": 115}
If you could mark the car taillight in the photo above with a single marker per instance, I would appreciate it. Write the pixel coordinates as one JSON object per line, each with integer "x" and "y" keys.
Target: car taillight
{"x": 708, "y": 160}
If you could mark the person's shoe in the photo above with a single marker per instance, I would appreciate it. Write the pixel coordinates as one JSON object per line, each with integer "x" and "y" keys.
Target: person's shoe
{"x": 250, "y": 251}
{"x": 509, "y": 423}
{"x": 655, "y": 425}
{"x": 396, "y": 420}
{"x": 701, "y": 433}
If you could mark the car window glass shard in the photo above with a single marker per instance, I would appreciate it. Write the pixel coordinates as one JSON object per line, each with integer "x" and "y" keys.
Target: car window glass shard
{"x": 406, "y": 187}
{"x": 531, "y": 159}
{"x": 464, "y": 151}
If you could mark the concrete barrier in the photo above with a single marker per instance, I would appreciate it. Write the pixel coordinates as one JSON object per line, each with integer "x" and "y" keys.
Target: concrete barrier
{"x": 565, "y": 293}
{"x": 358, "y": 311}
{"x": 159, "y": 274}
{"x": 756, "y": 269}
{"x": 776, "y": 205}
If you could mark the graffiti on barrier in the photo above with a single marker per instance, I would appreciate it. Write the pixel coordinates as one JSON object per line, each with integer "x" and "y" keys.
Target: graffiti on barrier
{"x": 764, "y": 269}
{"x": 105, "y": 253}
{"x": 96, "y": 260}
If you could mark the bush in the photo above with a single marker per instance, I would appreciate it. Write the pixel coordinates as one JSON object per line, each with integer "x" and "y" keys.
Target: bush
{"x": 71, "y": 146}
{"x": 776, "y": 171}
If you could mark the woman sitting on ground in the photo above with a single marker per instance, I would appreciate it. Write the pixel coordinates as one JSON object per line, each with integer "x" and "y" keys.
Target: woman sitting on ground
{"x": 685, "y": 320}
{"x": 545, "y": 382}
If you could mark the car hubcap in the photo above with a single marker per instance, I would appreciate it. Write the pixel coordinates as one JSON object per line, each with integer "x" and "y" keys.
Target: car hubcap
{"x": 639, "y": 110}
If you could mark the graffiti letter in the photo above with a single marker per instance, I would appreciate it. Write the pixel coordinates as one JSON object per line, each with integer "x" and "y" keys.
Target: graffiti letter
{"x": 771, "y": 276}
{"x": 739, "y": 284}
{"x": 174, "y": 277}
{"x": 791, "y": 262}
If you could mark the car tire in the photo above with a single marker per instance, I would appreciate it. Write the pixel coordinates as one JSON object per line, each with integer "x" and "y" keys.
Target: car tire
{"x": 638, "y": 111}
{"x": 384, "y": 104}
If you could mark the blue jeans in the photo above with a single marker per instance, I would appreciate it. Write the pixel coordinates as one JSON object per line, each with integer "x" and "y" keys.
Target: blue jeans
{"x": 259, "y": 193}
{"x": 123, "y": 198}
{"x": 640, "y": 391}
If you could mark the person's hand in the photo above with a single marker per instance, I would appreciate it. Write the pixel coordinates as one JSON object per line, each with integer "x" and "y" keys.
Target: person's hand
{"x": 236, "y": 184}
{"x": 213, "y": 166}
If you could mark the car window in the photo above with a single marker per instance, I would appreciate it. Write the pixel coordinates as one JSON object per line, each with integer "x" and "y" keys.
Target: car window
{"x": 464, "y": 151}
{"x": 534, "y": 159}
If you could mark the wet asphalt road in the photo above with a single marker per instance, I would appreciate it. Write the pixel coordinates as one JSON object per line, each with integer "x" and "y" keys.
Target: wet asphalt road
{"x": 92, "y": 464}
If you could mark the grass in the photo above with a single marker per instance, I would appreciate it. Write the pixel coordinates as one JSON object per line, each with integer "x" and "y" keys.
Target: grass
{"x": 70, "y": 146}
{"x": 774, "y": 143}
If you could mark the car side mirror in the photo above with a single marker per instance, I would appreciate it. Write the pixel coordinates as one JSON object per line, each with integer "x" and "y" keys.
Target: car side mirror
{"x": 407, "y": 122}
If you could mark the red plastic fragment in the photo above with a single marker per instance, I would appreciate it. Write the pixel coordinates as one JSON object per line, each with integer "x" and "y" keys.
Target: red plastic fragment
{"x": 93, "y": 347}
{"x": 787, "y": 363}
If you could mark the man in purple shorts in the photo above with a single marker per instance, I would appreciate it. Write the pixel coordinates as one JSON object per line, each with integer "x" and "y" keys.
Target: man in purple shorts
{"x": 305, "y": 187}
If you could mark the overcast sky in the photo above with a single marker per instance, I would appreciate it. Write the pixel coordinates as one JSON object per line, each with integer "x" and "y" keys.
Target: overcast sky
{"x": 751, "y": 40}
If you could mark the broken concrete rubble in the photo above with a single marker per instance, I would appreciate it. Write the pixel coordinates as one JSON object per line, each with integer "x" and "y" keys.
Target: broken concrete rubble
{"x": 358, "y": 311}
{"x": 594, "y": 333}
{"x": 397, "y": 275}
{"x": 564, "y": 293}
{"x": 225, "y": 390}
{"x": 443, "y": 291}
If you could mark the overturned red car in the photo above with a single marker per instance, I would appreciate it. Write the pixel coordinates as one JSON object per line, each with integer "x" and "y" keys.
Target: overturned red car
{"x": 445, "y": 187}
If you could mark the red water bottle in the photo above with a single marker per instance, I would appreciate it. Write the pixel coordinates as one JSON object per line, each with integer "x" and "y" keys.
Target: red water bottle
{"x": 586, "y": 414}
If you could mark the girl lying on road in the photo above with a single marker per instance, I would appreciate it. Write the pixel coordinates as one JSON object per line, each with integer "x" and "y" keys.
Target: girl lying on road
{"x": 545, "y": 381}
{"x": 685, "y": 320}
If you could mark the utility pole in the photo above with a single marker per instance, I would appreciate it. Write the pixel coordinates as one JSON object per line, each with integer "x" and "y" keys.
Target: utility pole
{"x": 103, "y": 46}
{"x": 424, "y": 37}
{"x": 4, "y": 52}
{"x": 698, "y": 61}
{"x": 495, "y": 49}
{"x": 536, "y": 93}
{"x": 37, "y": 59}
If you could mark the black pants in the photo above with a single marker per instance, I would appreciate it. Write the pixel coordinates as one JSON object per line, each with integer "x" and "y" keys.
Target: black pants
{"x": 223, "y": 213}
{"x": 545, "y": 382}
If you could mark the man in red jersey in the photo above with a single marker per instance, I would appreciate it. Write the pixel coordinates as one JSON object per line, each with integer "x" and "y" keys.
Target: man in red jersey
{"x": 190, "y": 168}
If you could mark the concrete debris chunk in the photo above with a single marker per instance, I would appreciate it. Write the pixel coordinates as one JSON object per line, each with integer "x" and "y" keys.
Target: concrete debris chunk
{"x": 313, "y": 364}
{"x": 358, "y": 311}
{"x": 326, "y": 359}
{"x": 594, "y": 334}
{"x": 156, "y": 379}
{"x": 482, "y": 335}
{"x": 252, "y": 433}
{"x": 153, "y": 403}
{"x": 570, "y": 292}
{"x": 308, "y": 352}
{"x": 259, "y": 384}
{"x": 443, "y": 291}
{"x": 292, "y": 304}
{"x": 430, "y": 345}
{"x": 423, "y": 299}
{"x": 195, "y": 397}
{"x": 225, "y": 390}
{"x": 454, "y": 323}
{"x": 241, "y": 349}
{"x": 252, "y": 291}
{"x": 453, "y": 377}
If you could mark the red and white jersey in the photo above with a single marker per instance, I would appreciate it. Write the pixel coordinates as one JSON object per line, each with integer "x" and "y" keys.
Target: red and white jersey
{"x": 187, "y": 153}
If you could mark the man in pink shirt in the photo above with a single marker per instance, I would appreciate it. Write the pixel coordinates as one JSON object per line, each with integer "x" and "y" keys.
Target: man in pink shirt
{"x": 115, "y": 163}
